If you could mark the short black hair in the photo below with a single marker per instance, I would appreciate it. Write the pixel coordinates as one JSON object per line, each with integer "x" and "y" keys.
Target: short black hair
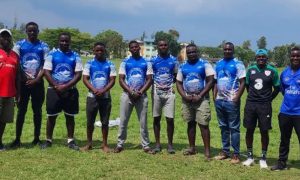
{"x": 31, "y": 24}
{"x": 295, "y": 48}
{"x": 229, "y": 43}
{"x": 99, "y": 44}
{"x": 64, "y": 34}
{"x": 192, "y": 45}
{"x": 132, "y": 42}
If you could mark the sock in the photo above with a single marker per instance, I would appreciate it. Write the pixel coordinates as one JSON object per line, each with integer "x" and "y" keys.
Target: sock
{"x": 70, "y": 140}
{"x": 249, "y": 152}
{"x": 49, "y": 140}
{"x": 263, "y": 154}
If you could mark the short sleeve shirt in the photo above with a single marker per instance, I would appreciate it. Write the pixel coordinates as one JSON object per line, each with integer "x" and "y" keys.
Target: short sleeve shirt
{"x": 228, "y": 74}
{"x": 193, "y": 75}
{"x": 135, "y": 71}
{"x": 32, "y": 56}
{"x": 63, "y": 65}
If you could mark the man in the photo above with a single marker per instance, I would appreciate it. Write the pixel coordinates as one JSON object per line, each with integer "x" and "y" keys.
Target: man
{"x": 32, "y": 54}
{"x": 99, "y": 76}
{"x": 289, "y": 116}
{"x": 63, "y": 69}
{"x": 262, "y": 84}
{"x": 9, "y": 86}
{"x": 163, "y": 96}
{"x": 135, "y": 77}
{"x": 194, "y": 80}
{"x": 230, "y": 76}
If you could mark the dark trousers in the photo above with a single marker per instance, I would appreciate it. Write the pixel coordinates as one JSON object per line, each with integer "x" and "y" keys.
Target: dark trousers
{"x": 37, "y": 94}
{"x": 286, "y": 125}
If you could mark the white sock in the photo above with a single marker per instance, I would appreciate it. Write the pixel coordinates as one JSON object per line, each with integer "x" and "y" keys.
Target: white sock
{"x": 70, "y": 140}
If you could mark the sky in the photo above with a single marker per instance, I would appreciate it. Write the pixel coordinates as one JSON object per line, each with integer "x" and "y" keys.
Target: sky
{"x": 206, "y": 22}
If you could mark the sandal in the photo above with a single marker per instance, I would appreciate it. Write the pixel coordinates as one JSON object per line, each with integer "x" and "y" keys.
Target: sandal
{"x": 189, "y": 152}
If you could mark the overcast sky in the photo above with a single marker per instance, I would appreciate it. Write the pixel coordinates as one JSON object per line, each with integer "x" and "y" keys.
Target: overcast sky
{"x": 206, "y": 22}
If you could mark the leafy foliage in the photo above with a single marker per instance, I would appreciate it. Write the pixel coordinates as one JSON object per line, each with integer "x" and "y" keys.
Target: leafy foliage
{"x": 174, "y": 46}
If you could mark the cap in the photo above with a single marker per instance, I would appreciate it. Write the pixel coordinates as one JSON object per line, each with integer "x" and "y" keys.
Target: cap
{"x": 261, "y": 52}
{"x": 5, "y": 30}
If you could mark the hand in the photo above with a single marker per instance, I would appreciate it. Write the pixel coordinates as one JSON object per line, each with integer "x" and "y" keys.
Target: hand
{"x": 61, "y": 88}
{"x": 99, "y": 92}
{"x": 188, "y": 98}
{"x": 196, "y": 98}
{"x": 31, "y": 82}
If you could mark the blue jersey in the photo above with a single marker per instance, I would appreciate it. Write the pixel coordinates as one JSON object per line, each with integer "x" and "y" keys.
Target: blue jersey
{"x": 290, "y": 88}
{"x": 193, "y": 75}
{"x": 99, "y": 72}
{"x": 135, "y": 71}
{"x": 31, "y": 56}
{"x": 228, "y": 73}
{"x": 163, "y": 72}
{"x": 63, "y": 65}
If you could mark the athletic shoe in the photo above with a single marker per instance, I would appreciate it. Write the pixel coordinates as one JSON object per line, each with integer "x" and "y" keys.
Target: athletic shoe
{"x": 46, "y": 145}
{"x": 36, "y": 141}
{"x": 72, "y": 145}
{"x": 281, "y": 165}
{"x": 222, "y": 155}
{"x": 15, "y": 144}
{"x": 248, "y": 162}
{"x": 235, "y": 159}
{"x": 2, "y": 147}
{"x": 263, "y": 164}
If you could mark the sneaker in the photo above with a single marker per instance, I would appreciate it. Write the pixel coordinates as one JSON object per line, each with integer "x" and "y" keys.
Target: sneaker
{"x": 248, "y": 162}
{"x": 15, "y": 144}
{"x": 118, "y": 149}
{"x": 157, "y": 149}
{"x": 46, "y": 145}
{"x": 222, "y": 155}
{"x": 235, "y": 159}
{"x": 263, "y": 164}
{"x": 281, "y": 165}
{"x": 36, "y": 141}
{"x": 2, "y": 147}
{"x": 72, "y": 145}
{"x": 148, "y": 150}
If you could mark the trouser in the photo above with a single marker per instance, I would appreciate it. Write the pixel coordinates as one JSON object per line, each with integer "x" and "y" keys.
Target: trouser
{"x": 37, "y": 94}
{"x": 286, "y": 125}
{"x": 126, "y": 107}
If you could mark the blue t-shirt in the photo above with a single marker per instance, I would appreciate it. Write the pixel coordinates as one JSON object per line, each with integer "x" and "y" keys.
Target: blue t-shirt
{"x": 228, "y": 73}
{"x": 163, "y": 72}
{"x": 32, "y": 56}
{"x": 193, "y": 75}
{"x": 135, "y": 71}
{"x": 63, "y": 65}
{"x": 290, "y": 88}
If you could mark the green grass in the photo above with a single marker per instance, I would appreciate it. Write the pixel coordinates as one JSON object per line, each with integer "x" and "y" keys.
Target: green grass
{"x": 59, "y": 162}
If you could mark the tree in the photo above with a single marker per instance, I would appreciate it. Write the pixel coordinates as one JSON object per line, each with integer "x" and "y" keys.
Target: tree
{"x": 144, "y": 36}
{"x": 245, "y": 55}
{"x": 281, "y": 55}
{"x": 174, "y": 46}
{"x": 262, "y": 42}
{"x": 246, "y": 44}
{"x": 174, "y": 33}
{"x": 113, "y": 41}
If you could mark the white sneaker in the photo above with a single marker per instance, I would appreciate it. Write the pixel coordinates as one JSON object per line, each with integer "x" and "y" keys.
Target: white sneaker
{"x": 248, "y": 162}
{"x": 263, "y": 164}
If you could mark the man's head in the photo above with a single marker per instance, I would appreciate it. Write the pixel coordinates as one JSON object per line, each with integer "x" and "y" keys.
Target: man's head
{"x": 134, "y": 48}
{"x": 163, "y": 48}
{"x": 228, "y": 50}
{"x": 64, "y": 40}
{"x": 295, "y": 57}
{"x": 32, "y": 31}
{"x": 99, "y": 50}
{"x": 261, "y": 56}
{"x": 5, "y": 39}
{"x": 192, "y": 52}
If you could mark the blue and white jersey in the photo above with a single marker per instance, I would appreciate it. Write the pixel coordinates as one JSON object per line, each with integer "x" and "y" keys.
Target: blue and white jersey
{"x": 163, "y": 72}
{"x": 135, "y": 71}
{"x": 63, "y": 65}
{"x": 193, "y": 75}
{"x": 290, "y": 88}
{"x": 228, "y": 73}
{"x": 32, "y": 56}
{"x": 99, "y": 73}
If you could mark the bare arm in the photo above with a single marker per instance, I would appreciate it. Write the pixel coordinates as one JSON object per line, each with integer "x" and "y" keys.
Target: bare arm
{"x": 180, "y": 90}
{"x": 275, "y": 91}
{"x": 209, "y": 84}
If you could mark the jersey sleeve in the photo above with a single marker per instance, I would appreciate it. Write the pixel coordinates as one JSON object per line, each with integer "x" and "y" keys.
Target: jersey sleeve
{"x": 248, "y": 77}
{"x": 179, "y": 76}
{"x": 209, "y": 70}
{"x": 276, "y": 80}
{"x": 48, "y": 62}
{"x": 149, "y": 69}
{"x": 86, "y": 69}
{"x": 78, "y": 66}
{"x": 17, "y": 48}
{"x": 241, "y": 71}
{"x": 122, "y": 68}
{"x": 113, "y": 71}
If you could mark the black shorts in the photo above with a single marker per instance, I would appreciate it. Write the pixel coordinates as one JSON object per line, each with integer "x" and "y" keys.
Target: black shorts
{"x": 66, "y": 101}
{"x": 93, "y": 105}
{"x": 261, "y": 112}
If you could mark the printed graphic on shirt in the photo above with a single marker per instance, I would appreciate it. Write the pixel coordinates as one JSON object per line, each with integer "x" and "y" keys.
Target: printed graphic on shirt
{"x": 31, "y": 64}
{"x": 62, "y": 73}
{"x": 136, "y": 78}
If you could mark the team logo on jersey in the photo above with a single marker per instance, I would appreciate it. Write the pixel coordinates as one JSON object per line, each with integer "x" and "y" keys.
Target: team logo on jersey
{"x": 31, "y": 63}
{"x": 253, "y": 72}
{"x": 286, "y": 79}
{"x": 267, "y": 73}
{"x": 136, "y": 78}
{"x": 258, "y": 84}
{"x": 99, "y": 79}
{"x": 63, "y": 73}
{"x": 193, "y": 83}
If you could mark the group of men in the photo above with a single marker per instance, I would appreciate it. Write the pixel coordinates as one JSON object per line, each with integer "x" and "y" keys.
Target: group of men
{"x": 21, "y": 76}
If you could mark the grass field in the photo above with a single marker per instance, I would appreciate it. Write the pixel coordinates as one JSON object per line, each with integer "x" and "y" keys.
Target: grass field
{"x": 60, "y": 162}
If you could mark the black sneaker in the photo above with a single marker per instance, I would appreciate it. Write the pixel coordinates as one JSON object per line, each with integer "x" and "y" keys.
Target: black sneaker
{"x": 15, "y": 144}
{"x": 281, "y": 165}
{"x": 2, "y": 147}
{"x": 36, "y": 141}
{"x": 72, "y": 145}
{"x": 46, "y": 145}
